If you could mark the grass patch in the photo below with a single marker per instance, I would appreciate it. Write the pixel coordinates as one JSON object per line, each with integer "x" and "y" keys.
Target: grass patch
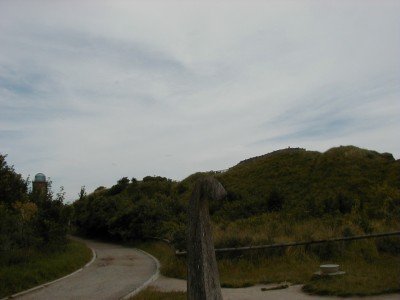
{"x": 171, "y": 266}
{"x": 241, "y": 271}
{"x": 362, "y": 278}
{"x": 257, "y": 268}
{"x": 24, "y": 270}
{"x": 367, "y": 271}
{"x": 154, "y": 294}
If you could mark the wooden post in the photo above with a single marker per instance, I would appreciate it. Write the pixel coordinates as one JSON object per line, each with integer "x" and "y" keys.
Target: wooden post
{"x": 203, "y": 277}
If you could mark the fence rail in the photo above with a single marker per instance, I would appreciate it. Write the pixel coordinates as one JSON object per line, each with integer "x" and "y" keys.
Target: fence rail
{"x": 350, "y": 238}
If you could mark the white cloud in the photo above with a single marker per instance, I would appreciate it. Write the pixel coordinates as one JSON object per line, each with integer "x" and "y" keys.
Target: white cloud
{"x": 91, "y": 91}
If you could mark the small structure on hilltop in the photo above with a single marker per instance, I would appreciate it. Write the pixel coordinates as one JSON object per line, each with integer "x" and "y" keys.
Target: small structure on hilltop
{"x": 39, "y": 185}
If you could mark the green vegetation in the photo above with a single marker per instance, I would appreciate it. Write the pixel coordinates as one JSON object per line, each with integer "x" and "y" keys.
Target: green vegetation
{"x": 153, "y": 294}
{"x": 367, "y": 271}
{"x": 281, "y": 196}
{"x": 171, "y": 265}
{"x": 363, "y": 278}
{"x": 22, "y": 270}
{"x": 33, "y": 227}
{"x": 28, "y": 221}
{"x": 284, "y": 196}
{"x": 131, "y": 211}
{"x": 303, "y": 184}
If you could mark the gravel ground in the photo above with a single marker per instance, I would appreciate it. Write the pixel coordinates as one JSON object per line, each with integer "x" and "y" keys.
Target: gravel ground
{"x": 254, "y": 293}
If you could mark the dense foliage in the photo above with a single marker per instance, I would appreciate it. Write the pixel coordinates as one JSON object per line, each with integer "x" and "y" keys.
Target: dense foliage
{"x": 287, "y": 195}
{"x": 28, "y": 221}
{"x": 308, "y": 183}
{"x": 131, "y": 209}
{"x": 349, "y": 187}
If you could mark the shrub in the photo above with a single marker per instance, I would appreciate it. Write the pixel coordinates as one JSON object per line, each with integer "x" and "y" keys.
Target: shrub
{"x": 389, "y": 245}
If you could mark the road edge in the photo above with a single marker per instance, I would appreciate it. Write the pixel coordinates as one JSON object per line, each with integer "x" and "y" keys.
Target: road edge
{"x": 153, "y": 278}
{"x": 43, "y": 285}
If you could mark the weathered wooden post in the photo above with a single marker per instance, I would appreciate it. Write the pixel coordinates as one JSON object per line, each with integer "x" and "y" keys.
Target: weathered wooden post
{"x": 203, "y": 277}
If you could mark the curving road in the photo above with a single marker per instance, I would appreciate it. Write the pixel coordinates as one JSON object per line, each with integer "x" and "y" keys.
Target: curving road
{"x": 116, "y": 272}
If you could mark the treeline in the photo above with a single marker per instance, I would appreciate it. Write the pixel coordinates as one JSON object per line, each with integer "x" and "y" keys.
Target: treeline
{"x": 29, "y": 221}
{"x": 293, "y": 183}
{"x": 131, "y": 210}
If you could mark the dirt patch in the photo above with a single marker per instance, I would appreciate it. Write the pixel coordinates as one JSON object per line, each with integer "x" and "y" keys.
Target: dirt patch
{"x": 105, "y": 261}
{"x": 130, "y": 257}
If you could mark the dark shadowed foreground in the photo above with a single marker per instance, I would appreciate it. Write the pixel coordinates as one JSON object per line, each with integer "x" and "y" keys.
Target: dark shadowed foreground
{"x": 116, "y": 272}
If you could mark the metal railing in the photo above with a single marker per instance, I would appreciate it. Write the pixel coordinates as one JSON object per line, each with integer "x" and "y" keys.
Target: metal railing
{"x": 258, "y": 247}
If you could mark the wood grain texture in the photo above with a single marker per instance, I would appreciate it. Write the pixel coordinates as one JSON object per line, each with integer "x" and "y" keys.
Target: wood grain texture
{"x": 203, "y": 277}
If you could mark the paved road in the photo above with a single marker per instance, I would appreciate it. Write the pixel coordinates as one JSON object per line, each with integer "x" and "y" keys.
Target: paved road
{"x": 116, "y": 272}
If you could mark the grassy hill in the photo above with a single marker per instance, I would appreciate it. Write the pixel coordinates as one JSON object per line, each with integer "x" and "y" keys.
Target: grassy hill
{"x": 357, "y": 186}
{"x": 287, "y": 195}
{"x": 310, "y": 182}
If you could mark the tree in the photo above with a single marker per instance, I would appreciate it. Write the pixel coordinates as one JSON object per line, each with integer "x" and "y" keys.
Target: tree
{"x": 34, "y": 220}
{"x": 12, "y": 187}
{"x": 82, "y": 193}
{"x": 51, "y": 221}
{"x": 26, "y": 211}
{"x": 121, "y": 185}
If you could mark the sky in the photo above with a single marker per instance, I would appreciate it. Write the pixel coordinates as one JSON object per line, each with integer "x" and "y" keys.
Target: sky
{"x": 92, "y": 91}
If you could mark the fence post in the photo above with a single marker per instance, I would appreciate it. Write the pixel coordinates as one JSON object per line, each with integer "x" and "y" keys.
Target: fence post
{"x": 203, "y": 277}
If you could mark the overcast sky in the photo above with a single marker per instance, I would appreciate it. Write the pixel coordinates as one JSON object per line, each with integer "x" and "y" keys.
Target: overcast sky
{"x": 92, "y": 91}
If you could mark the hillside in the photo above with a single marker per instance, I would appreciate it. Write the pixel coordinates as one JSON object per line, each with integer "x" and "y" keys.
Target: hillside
{"x": 284, "y": 196}
{"x": 300, "y": 181}
{"x": 289, "y": 185}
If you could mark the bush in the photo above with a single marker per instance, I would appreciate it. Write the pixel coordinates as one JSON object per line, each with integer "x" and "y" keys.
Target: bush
{"x": 275, "y": 201}
{"x": 327, "y": 251}
{"x": 389, "y": 245}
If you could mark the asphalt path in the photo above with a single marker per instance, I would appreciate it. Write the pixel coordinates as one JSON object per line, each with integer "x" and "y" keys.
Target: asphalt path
{"x": 293, "y": 292}
{"x": 116, "y": 272}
